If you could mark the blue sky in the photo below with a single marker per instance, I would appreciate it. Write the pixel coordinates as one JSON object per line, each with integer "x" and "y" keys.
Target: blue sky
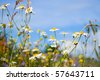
{"x": 67, "y": 15}
{"x": 64, "y": 14}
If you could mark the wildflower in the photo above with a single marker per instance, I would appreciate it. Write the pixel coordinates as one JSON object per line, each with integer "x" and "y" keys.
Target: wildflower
{"x": 71, "y": 62}
{"x": 13, "y": 62}
{"x": 38, "y": 31}
{"x": 86, "y": 34}
{"x": 3, "y": 25}
{"x": 55, "y": 42}
{"x": 54, "y": 29}
{"x": 64, "y": 33}
{"x": 63, "y": 41}
{"x": 9, "y": 42}
{"x": 81, "y": 56}
{"x": 62, "y": 60}
{"x": 52, "y": 38}
{"x": 35, "y": 50}
{"x": 21, "y": 7}
{"x": 3, "y": 59}
{"x": 39, "y": 55}
{"x": 32, "y": 58}
{"x": 81, "y": 61}
{"x": 43, "y": 56}
{"x": 26, "y": 50}
{"x": 65, "y": 60}
{"x": 49, "y": 50}
{"x": 4, "y": 6}
{"x": 28, "y": 10}
{"x": 43, "y": 34}
{"x": 75, "y": 42}
{"x": 35, "y": 56}
{"x": 81, "y": 32}
{"x": 65, "y": 52}
{"x": 27, "y": 29}
{"x": 19, "y": 33}
{"x": 54, "y": 45}
{"x": 10, "y": 24}
{"x": 20, "y": 58}
{"x": 76, "y": 34}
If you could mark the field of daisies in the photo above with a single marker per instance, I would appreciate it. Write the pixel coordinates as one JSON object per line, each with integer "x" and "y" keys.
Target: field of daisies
{"x": 47, "y": 51}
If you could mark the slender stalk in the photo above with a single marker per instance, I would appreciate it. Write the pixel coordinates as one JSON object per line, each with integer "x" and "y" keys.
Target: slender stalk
{"x": 12, "y": 20}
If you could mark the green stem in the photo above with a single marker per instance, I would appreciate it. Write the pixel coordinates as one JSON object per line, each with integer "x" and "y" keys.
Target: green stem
{"x": 12, "y": 20}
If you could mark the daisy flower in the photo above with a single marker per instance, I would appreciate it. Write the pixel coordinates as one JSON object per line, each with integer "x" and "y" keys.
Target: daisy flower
{"x": 28, "y": 10}
{"x": 65, "y": 52}
{"x": 76, "y": 34}
{"x": 4, "y": 6}
{"x": 21, "y": 7}
{"x": 63, "y": 41}
{"x": 52, "y": 38}
{"x": 64, "y": 33}
{"x": 27, "y": 29}
{"x": 35, "y": 50}
{"x": 43, "y": 34}
{"x": 54, "y": 45}
{"x": 54, "y": 29}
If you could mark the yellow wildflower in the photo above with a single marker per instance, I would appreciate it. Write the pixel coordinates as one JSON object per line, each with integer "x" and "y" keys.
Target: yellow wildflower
{"x": 43, "y": 56}
{"x": 75, "y": 42}
{"x": 76, "y": 34}
{"x": 49, "y": 50}
{"x": 64, "y": 33}
{"x": 4, "y": 25}
{"x": 52, "y": 38}
{"x": 26, "y": 51}
{"x": 4, "y": 6}
{"x": 32, "y": 58}
{"x": 38, "y": 31}
{"x": 81, "y": 56}
{"x": 63, "y": 41}
{"x": 13, "y": 62}
{"x": 81, "y": 61}
{"x": 27, "y": 29}
{"x": 20, "y": 58}
{"x": 35, "y": 56}
{"x": 28, "y": 10}
{"x": 36, "y": 50}
{"x": 53, "y": 29}
{"x": 71, "y": 62}
{"x": 43, "y": 34}
{"x": 9, "y": 42}
{"x": 10, "y": 24}
{"x": 21, "y": 7}
{"x": 81, "y": 32}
